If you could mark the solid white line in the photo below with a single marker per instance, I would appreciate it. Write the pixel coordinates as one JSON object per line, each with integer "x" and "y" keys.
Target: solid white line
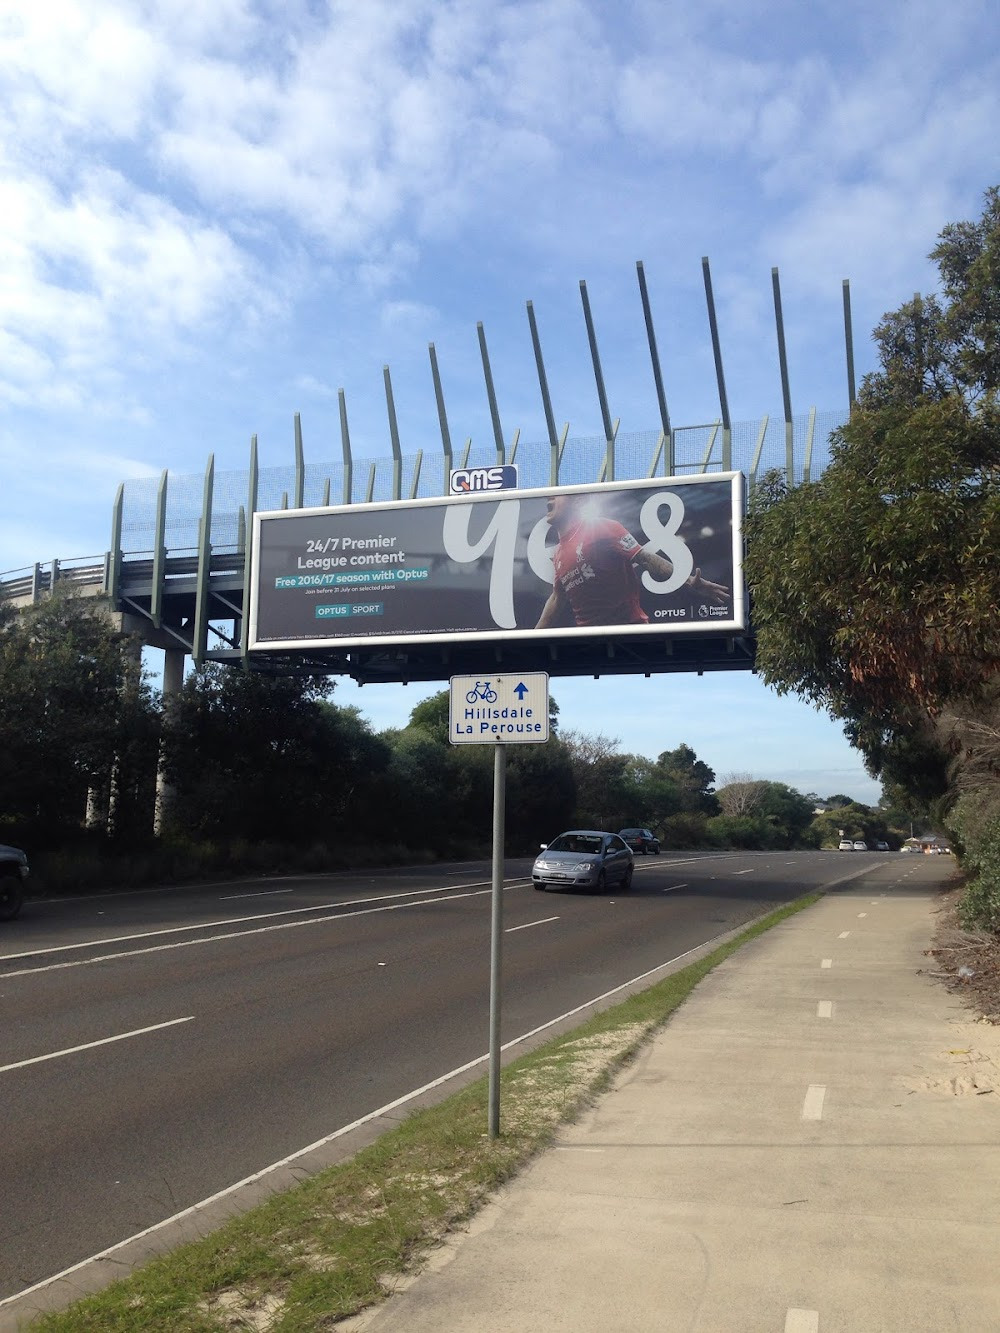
{"x": 242, "y": 920}
{"x": 812, "y": 1107}
{"x": 264, "y": 893}
{"x": 843, "y": 935}
{"x": 802, "y": 1321}
{"x": 824, "y": 1009}
{"x": 89, "y": 1045}
{"x": 827, "y": 962}
{"x": 544, "y": 921}
{"x": 339, "y": 1133}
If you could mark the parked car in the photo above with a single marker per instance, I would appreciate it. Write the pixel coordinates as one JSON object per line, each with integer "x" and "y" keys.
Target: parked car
{"x": 13, "y": 873}
{"x": 860, "y": 845}
{"x": 641, "y": 840}
{"x": 584, "y": 859}
{"x": 881, "y": 846}
{"x": 845, "y": 845}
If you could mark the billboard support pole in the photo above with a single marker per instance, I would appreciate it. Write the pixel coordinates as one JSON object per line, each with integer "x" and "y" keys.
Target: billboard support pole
{"x": 609, "y": 434}
{"x": 496, "y": 932}
{"x": 713, "y": 324}
{"x": 442, "y": 416}
{"x": 494, "y": 410}
{"x": 786, "y": 394}
{"x": 345, "y": 441}
{"x": 397, "y": 456}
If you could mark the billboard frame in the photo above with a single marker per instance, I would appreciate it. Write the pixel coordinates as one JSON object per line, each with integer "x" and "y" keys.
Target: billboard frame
{"x": 734, "y": 627}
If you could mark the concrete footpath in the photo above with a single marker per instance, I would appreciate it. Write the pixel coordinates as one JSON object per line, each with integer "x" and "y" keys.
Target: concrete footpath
{"x": 811, "y": 1145}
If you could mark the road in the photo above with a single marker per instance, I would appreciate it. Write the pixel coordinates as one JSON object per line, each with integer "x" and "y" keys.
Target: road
{"x": 159, "y": 1046}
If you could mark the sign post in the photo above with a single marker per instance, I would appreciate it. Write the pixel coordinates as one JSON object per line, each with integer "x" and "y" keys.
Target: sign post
{"x": 499, "y": 711}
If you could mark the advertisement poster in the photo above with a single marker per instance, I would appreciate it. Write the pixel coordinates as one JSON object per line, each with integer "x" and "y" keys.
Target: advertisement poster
{"x": 629, "y": 557}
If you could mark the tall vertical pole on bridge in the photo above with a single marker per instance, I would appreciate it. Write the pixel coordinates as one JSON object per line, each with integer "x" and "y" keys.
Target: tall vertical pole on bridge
{"x": 203, "y": 593}
{"x": 397, "y": 455}
{"x": 786, "y": 395}
{"x": 849, "y": 342}
{"x": 442, "y": 418}
{"x": 543, "y": 384}
{"x": 491, "y": 395}
{"x": 610, "y": 431}
{"x": 713, "y": 324}
{"x": 345, "y": 442}
{"x": 252, "y": 487}
{"x": 654, "y": 356}
{"x": 300, "y": 466}
{"x": 496, "y": 931}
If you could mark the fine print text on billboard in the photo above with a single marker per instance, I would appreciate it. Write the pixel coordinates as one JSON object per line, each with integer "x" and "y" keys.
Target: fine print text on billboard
{"x": 625, "y": 557}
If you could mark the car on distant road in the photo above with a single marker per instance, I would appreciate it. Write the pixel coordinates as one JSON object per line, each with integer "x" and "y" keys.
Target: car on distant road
{"x": 860, "y": 845}
{"x": 13, "y": 873}
{"x": 641, "y": 840}
{"x": 845, "y": 845}
{"x": 584, "y": 859}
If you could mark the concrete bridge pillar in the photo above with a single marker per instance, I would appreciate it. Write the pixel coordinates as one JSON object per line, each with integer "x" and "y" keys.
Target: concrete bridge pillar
{"x": 173, "y": 678}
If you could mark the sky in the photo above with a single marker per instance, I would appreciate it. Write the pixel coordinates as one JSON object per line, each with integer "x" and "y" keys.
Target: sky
{"x": 214, "y": 216}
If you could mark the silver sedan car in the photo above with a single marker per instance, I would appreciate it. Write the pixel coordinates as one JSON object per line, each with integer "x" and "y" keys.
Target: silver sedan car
{"x": 584, "y": 859}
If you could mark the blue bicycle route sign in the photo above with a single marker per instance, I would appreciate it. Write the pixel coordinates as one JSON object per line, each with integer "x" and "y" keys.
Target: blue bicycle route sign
{"x": 511, "y": 709}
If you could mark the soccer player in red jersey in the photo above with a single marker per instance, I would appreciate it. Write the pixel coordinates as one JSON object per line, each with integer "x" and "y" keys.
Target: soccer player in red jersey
{"x": 597, "y": 565}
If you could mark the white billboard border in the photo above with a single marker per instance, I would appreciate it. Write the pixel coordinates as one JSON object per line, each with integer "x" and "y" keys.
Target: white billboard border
{"x": 736, "y": 625}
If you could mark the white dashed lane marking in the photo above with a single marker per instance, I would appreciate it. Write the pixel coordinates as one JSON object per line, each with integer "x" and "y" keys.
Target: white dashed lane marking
{"x": 528, "y": 924}
{"x": 824, "y": 1009}
{"x": 89, "y": 1045}
{"x": 812, "y": 1107}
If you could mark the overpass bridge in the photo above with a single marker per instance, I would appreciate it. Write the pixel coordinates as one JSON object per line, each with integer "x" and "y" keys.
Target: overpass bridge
{"x": 178, "y": 574}
{"x": 177, "y": 569}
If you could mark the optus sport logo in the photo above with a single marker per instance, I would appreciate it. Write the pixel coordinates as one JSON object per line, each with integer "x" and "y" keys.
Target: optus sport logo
{"x": 473, "y": 480}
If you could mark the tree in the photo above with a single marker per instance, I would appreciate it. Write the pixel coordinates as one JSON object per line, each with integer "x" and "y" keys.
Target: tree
{"x": 875, "y": 588}
{"x": 76, "y": 714}
{"x": 740, "y": 794}
{"x": 267, "y": 758}
{"x": 693, "y": 779}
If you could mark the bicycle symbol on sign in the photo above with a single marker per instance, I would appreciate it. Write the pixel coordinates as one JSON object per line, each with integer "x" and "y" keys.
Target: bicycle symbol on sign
{"x": 483, "y": 691}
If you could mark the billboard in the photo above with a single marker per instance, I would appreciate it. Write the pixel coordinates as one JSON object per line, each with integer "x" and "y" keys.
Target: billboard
{"x": 626, "y": 557}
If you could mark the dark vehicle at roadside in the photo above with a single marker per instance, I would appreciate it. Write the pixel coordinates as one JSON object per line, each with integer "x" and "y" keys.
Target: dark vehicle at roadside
{"x": 583, "y": 859}
{"x": 641, "y": 840}
{"x": 13, "y": 873}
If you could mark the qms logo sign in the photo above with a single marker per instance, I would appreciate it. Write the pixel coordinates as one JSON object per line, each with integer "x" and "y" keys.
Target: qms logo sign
{"x": 472, "y": 480}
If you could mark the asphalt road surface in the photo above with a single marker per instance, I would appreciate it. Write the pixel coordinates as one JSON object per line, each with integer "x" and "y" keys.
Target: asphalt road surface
{"x": 158, "y": 1046}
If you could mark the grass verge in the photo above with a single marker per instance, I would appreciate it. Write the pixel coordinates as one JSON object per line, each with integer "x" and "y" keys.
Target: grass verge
{"x": 313, "y": 1255}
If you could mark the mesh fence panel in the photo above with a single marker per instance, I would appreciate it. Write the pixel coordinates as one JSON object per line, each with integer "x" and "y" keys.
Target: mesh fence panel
{"x": 756, "y": 447}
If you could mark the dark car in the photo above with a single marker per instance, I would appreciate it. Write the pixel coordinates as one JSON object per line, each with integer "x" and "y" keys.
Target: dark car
{"x": 641, "y": 840}
{"x": 585, "y": 859}
{"x": 13, "y": 872}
